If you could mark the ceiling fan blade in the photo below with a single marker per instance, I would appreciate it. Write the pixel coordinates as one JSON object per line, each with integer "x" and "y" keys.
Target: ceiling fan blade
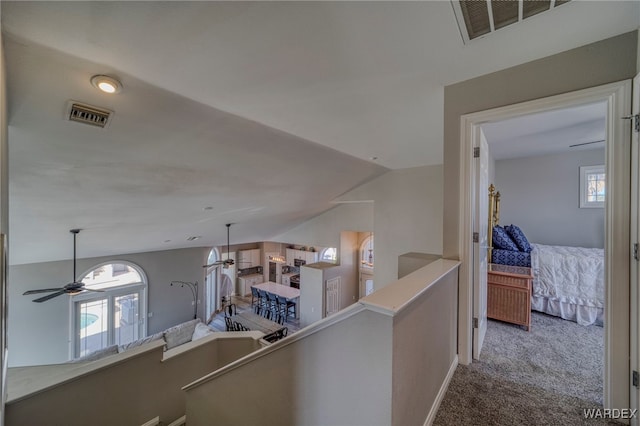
{"x": 92, "y": 289}
{"x": 42, "y": 290}
{"x": 49, "y": 296}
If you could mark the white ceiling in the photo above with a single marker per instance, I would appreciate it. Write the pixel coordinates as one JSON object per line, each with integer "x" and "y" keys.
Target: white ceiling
{"x": 265, "y": 111}
{"x": 578, "y": 128}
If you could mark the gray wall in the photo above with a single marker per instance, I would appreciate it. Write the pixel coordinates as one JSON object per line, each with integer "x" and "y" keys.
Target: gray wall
{"x": 403, "y": 208}
{"x": 541, "y": 196}
{"x": 311, "y": 381}
{"x": 129, "y": 392}
{"x": 606, "y": 61}
{"x": 424, "y": 349}
{"x": 407, "y": 215}
{"x": 39, "y": 333}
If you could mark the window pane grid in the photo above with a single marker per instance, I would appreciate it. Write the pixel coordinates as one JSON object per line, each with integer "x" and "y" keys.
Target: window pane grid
{"x": 593, "y": 186}
{"x": 115, "y": 316}
{"x": 126, "y": 319}
{"x": 93, "y": 326}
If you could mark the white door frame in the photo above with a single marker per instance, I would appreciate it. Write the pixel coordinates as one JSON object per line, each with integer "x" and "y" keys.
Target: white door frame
{"x": 617, "y": 214}
{"x": 635, "y": 238}
{"x": 480, "y": 214}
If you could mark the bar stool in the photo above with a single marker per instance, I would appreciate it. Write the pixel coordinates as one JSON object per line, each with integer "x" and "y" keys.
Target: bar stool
{"x": 286, "y": 307}
{"x": 263, "y": 301}
{"x": 272, "y": 303}
{"x": 255, "y": 297}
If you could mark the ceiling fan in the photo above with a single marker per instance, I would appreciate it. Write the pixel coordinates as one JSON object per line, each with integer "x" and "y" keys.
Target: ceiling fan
{"x": 226, "y": 263}
{"x": 72, "y": 288}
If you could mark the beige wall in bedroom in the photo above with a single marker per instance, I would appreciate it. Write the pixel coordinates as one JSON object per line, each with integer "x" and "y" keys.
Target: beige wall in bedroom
{"x": 606, "y": 61}
{"x": 540, "y": 195}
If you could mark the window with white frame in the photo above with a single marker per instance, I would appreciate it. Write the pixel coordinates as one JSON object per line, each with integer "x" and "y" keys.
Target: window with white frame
{"x": 366, "y": 253}
{"x": 114, "y": 314}
{"x": 330, "y": 254}
{"x": 592, "y": 186}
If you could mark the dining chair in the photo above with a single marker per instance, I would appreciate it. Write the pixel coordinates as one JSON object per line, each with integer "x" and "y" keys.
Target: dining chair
{"x": 231, "y": 309}
{"x": 239, "y": 327}
{"x": 228, "y": 323}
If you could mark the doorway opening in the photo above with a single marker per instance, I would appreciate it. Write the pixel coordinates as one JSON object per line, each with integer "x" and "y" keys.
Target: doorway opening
{"x": 616, "y": 96}
{"x": 366, "y": 264}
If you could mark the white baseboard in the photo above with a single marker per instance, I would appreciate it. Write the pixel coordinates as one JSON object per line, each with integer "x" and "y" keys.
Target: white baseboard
{"x": 443, "y": 390}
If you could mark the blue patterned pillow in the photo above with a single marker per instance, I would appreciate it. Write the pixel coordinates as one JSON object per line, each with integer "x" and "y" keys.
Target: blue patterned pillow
{"x": 502, "y": 240}
{"x": 518, "y": 237}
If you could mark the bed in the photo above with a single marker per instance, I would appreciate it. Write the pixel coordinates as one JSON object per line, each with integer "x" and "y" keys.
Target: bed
{"x": 568, "y": 282}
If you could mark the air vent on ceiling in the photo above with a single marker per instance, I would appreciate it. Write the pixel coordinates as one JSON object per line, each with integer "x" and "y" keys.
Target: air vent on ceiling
{"x": 480, "y": 17}
{"x": 87, "y": 114}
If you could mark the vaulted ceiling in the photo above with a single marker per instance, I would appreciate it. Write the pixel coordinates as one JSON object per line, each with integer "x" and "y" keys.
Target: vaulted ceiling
{"x": 256, "y": 113}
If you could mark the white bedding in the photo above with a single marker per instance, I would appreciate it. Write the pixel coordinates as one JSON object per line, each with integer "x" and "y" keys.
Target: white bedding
{"x": 569, "y": 282}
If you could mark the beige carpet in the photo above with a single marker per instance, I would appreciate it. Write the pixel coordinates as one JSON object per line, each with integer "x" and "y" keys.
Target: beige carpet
{"x": 547, "y": 376}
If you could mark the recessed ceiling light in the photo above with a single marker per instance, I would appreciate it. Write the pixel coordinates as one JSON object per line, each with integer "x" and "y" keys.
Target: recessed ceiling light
{"x": 207, "y": 208}
{"x": 167, "y": 241}
{"x": 106, "y": 84}
{"x": 373, "y": 158}
{"x": 193, "y": 238}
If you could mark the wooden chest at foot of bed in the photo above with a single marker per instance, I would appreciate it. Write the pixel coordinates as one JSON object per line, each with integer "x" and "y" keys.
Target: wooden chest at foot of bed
{"x": 509, "y": 294}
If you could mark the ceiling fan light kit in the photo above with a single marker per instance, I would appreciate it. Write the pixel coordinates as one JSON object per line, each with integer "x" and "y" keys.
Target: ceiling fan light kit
{"x": 72, "y": 288}
{"x": 228, "y": 261}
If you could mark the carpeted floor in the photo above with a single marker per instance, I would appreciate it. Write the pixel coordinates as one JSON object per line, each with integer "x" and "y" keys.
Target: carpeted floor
{"x": 547, "y": 376}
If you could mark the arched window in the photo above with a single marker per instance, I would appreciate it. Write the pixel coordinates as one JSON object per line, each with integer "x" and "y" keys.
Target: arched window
{"x": 214, "y": 256}
{"x": 115, "y": 314}
{"x": 211, "y": 283}
{"x": 366, "y": 253}
{"x": 330, "y": 254}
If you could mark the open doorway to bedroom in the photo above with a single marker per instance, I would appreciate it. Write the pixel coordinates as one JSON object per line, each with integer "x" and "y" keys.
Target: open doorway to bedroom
{"x": 549, "y": 170}
{"x": 616, "y": 330}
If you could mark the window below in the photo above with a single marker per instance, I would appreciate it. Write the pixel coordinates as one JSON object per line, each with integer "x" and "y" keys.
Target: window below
{"x": 592, "y": 186}
{"x": 115, "y": 315}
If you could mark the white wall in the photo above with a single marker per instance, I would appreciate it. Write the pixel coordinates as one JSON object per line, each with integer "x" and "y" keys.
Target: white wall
{"x": 541, "y": 196}
{"x": 39, "y": 332}
{"x": 407, "y": 216}
{"x": 324, "y": 230}
{"x": 402, "y": 207}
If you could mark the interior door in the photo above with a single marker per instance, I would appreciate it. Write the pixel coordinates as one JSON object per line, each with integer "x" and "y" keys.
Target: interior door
{"x": 332, "y": 296}
{"x": 480, "y": 226}
{"x": 635, "y": 239}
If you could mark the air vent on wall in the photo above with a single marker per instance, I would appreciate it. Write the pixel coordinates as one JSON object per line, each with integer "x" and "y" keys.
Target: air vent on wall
{"x": 87, "y": 114}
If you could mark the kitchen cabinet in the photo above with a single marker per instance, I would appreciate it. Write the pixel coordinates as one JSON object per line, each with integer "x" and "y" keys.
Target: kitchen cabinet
{"x": 307, "y": 256}
{"x": 245, "y": 283}
{"x": 256, "y": 260}
{"x": 249, "y": 258}
{"x": 311, "y": 257}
